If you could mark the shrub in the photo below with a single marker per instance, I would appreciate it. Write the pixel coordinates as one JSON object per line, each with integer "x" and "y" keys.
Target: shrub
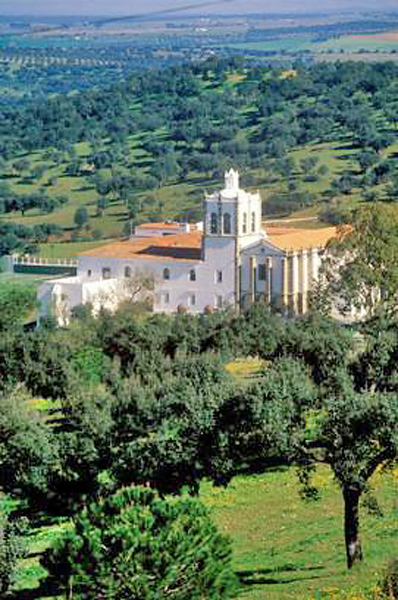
{"x": 97, "y": 234}
{"x": 136, "y": 545}
{"x": 335, "y": 216}
{"x": 12, "y": 548}
{"x": 389, "y": 584}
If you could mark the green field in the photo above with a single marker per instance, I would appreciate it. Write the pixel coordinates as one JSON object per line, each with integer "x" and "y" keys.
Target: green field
{"x": 292, "y": 43}
{"x": 356, "y": 43}
{"x": 303, "y": 43}
{"x": 284, "y": 547}
{"x": 169, "y": 201}
{"x": 174, "y": 200}
{"x": 22, "y": 278}
{"x": 289, "y": 548}
{"x": 67, "y": 249}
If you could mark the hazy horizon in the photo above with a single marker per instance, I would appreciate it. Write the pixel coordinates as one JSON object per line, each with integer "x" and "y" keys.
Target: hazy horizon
{"x": 128, "y": 7}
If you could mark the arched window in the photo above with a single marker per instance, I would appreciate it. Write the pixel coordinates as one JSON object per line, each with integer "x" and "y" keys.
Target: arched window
{"x": 253, "y": 222}
{"x": 166, "y": 273}
{"x": 127, "y": 271}
{"x": 227, "y": 223}
{"x": 192, "y": 275}
{"x": 213, "y": 223}
{"x": 244, "y": 225}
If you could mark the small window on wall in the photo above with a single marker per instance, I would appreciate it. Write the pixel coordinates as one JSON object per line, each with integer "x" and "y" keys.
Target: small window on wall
{"x": 253, "y": 222}
{"x": 192, "y": 300}
{"x": 218, "y": 276}
{"x": 213, "y": 223}
{"x": 127, "y": 271}
{"x": 89, "y": 273}
{"x": 192, "y": 275}
{"x": 106, "y": 273}
{"x": 244, "y": 225}
{"x": 166, "y": 273}
{"x": 166, "y": 298}
{"x": 227, "y": 223}
{"x": 219, "y": 301}
{"x": 262, "y": 272}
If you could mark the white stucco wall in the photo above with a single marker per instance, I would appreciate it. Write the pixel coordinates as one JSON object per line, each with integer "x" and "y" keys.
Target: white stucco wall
{"x": 224, "y": 256}
{"x": 218, "y": 257}
{"x": 148, "y": 231}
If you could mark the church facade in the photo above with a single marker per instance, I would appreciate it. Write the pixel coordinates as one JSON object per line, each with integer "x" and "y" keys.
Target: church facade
{"x": 229, "y": 262}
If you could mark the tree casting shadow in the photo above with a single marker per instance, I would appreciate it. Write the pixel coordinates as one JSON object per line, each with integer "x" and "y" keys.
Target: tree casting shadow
{"x": 258, "y": 576}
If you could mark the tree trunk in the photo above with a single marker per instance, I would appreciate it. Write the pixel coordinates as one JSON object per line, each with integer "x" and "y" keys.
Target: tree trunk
{"x": 351, "y": 526}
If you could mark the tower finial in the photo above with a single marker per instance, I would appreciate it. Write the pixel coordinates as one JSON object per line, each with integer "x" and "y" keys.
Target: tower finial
{"x": 232, "y": 180}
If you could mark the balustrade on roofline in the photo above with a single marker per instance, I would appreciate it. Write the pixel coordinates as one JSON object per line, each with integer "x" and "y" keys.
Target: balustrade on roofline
{"x": 41, "y": 261}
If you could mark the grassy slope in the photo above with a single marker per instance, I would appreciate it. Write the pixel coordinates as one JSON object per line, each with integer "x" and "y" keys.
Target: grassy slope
{"x": 67, "y": 249}
{"x": 288, "y": 548}
{"x": 178, "y": 199}
{"x": 284, "y": 547}
{"x": 174, "y": 200}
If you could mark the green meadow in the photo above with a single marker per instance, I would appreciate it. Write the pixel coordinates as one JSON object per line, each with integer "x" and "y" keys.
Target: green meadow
{"x": 181, "y": 200}
{"x": 284, "y": 547}
{"x": 177, "y": 198}
{"x": 299, "y": 43}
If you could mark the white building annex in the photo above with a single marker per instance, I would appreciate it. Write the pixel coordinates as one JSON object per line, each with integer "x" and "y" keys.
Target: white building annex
{"x": 232, "y": 262}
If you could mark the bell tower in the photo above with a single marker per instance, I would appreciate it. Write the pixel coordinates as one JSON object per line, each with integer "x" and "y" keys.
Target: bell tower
{"x": 220, "y": 209}
{"x": 232, "y": 221}
{"x": 233, "y": 212}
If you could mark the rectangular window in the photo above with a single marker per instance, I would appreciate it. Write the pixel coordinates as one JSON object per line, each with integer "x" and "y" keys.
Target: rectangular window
{"x": 218, "y": 276}
{"x": 219, "y": 302}
{"x": 253, "y": 222}
{"x": 192, "y": 300}
{"x": 106, "y": 273}
{"x": 262, "y": 272}
{"x": 166, "y": 298}
{"x": 89, "y": 273}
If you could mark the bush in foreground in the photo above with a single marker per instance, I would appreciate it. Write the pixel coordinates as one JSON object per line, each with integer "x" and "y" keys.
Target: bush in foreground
{"x": 12, "y": 548}
{"x": 389, "y": 584}
{"x": 137, "y": 545}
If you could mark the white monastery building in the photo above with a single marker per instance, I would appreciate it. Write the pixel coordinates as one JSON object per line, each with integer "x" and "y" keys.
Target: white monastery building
{"x": 228, "y": 261}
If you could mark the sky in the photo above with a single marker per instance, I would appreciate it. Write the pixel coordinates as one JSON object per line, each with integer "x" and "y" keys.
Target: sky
{"x": 129, "y": 7}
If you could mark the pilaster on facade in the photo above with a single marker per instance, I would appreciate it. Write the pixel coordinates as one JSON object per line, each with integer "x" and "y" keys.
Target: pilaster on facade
{"x": 269, "y": 279}
{"x": 314, "y": 253}
{"x": 304, "y": 281}
{"x": 294, "y": 282}
{"x": 285, "y": 281}
{"x": 253, "y": 278}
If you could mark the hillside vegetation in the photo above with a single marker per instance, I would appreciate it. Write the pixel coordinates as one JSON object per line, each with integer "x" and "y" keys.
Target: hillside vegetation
{"x": 317, "y": 141}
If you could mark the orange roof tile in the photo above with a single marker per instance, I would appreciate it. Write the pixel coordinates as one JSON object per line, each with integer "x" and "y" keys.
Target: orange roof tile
{"x": 297, "y": 239}
{"x": 160, "y": 226}
{"x": 183, "y": 246}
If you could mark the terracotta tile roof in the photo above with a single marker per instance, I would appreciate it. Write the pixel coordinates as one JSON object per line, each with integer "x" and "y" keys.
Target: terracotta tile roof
{"x": 160, "y": 226}
{"x": 183, "y": 246}
{"x": 297, "y": 239}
